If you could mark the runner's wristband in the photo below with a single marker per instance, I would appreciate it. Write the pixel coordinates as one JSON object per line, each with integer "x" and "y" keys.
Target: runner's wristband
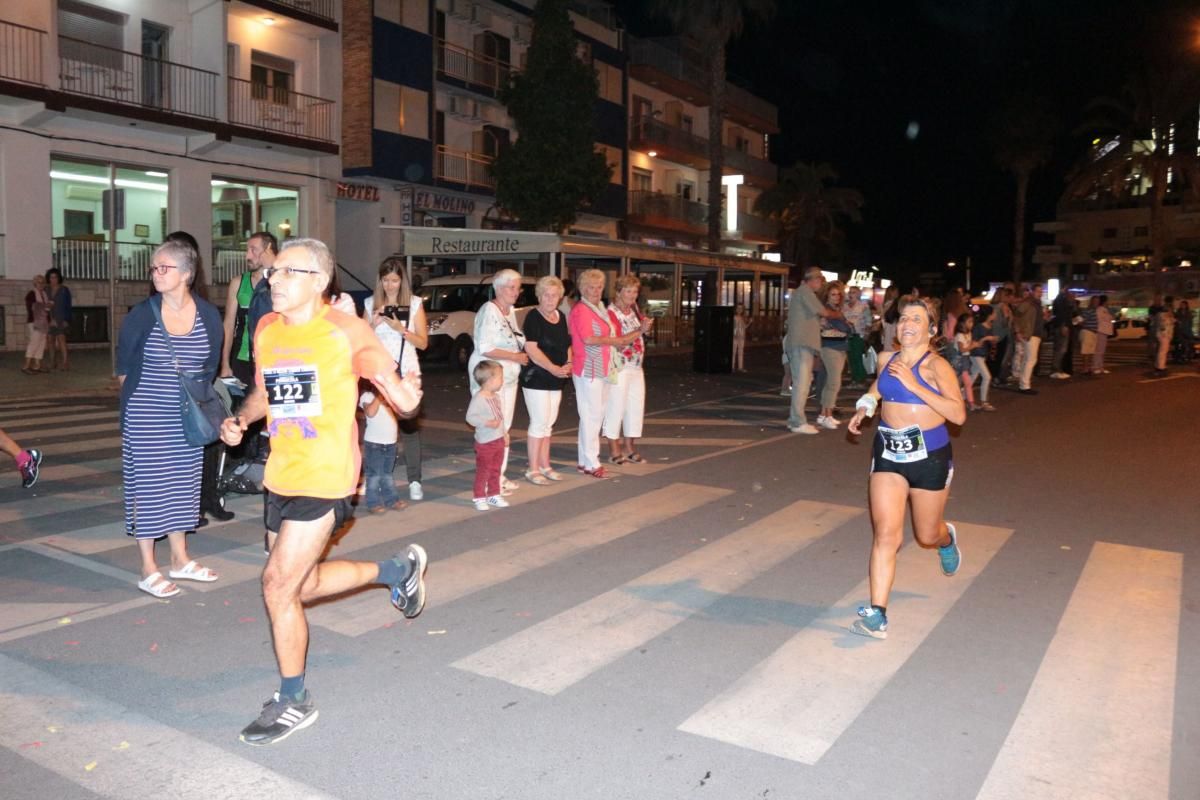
{"x": 867, "y": 404}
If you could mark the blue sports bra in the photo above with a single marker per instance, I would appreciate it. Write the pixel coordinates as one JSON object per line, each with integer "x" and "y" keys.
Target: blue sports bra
{"x": 893, "y": 391}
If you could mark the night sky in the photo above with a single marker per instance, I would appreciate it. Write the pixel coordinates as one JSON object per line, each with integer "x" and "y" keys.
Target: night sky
{"x": 854, "y": 81}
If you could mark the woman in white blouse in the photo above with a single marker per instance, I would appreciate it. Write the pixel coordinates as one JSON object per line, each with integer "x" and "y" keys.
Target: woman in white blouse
{"x": 398, "y": 318}
{"x": 498, "y": 338}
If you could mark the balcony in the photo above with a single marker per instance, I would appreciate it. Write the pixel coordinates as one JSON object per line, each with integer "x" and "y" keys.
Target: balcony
{"x": 670, "y": 142}
{"x": 315, "y": 12}
{"x": 758, "y": 171}
{"x": 129, "y": 79}
{"x": 461, "y": 166}
{"x": 281, "y": 111}
{"x": 750, "y": 110}
{"x": 667, "y": 211}
{"x": 475, "y": 70}
{"x": 21, "y": 51}
{"x": 754, "y": 228}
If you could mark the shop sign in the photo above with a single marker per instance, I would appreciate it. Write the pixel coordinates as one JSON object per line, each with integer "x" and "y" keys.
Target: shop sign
{"x": 448, "y": 203}
{"x": 862, "y": 278}
{"x": 406, "y": 206}
{"x": 449, "y": 242}
{"x": 358, "y": 191}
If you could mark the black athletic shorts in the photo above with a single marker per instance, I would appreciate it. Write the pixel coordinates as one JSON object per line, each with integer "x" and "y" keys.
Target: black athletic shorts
{"x": 934, "y": 472}
{"x": 280, "y": 507}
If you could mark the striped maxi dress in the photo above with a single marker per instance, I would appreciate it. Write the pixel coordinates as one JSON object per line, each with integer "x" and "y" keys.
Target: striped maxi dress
{"x": 161, "y": 470}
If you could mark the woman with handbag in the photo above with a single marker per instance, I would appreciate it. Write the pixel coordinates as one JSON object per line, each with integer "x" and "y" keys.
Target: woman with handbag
{"x": 166, "y": 339}
{"x": 398, "y": 319}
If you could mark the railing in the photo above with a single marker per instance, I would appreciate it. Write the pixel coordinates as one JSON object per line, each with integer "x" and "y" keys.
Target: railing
{"x": 87, "y": 259}
{"x": 755, "y": 227}
{"x": 737, "y": 97}
{"x": 460, "y": 166}
{"x": 318, "y": 8}
{"x": 130, "y": 79}
{"x": 471, "y": 67}
{"x": 21, "y": 53}
{"x": 751, "y": 166}
{"x": 267, "y": 108}
{"x": 643, "y": 52}
{"x": 650, "y": 131}
{"x": 668, "y": 206}
{"x": 599, "y": 12}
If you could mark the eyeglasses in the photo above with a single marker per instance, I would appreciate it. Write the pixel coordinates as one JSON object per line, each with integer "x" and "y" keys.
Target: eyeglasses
{"x": 161, "y": 269}
{"x": 288, "y": 272}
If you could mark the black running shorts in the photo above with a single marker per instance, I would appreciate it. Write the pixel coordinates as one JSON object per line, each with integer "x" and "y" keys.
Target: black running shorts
{"x": 279, "y": 507}
{"x": 934, "y": 472}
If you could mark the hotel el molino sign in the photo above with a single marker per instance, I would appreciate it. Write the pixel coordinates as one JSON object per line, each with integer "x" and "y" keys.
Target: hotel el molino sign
{"x": 358, "y": 191}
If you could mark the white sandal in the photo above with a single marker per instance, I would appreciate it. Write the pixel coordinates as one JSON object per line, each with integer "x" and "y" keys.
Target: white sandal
{"x": 193, "y": 572}
{"x": 155, "y": 584}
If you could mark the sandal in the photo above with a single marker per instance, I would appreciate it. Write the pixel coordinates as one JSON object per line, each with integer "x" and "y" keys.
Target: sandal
{"x": 617, "y": 459}
{"x": 598, "y": 472}
{"x": 536, "y": 478}
{"x": 193, "y": 572}
{"x": 157, "y": 585}
{"x": 634, "y": 458}
{"x": 987, "y": 407}
{"x": 552, "y": 475}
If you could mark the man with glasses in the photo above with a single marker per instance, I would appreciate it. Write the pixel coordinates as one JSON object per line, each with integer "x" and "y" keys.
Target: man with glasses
{"x": 803, "y": 343}
{"x": 237, "y": 355}
{"x": 310, "y": 358}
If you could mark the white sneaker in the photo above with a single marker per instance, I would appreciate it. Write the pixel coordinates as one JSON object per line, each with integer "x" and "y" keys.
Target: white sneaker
{"x": 481, "y": 504}
{"x": 414, "y": 491}
{"x": 805, "y": 428}
{"x": 828, "y": 423}
{"x": 496, "y": 501}
{"x": 1059, "y": 376}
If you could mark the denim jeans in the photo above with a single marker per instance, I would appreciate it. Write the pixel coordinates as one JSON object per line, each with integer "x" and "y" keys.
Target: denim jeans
{"x": 378, "y": 462}
{"x": 800, "y": 360}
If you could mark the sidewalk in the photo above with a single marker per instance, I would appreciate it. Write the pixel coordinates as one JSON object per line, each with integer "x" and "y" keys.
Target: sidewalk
{"x": 90, "y": 373}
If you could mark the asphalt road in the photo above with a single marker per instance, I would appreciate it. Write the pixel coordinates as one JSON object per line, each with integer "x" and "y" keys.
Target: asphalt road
{"x": 678, "y": 631}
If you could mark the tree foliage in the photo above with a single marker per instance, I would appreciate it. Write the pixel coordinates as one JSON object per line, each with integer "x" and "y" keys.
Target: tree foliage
{"x": 809, "y": 210}
{"x": 552, "y": 169}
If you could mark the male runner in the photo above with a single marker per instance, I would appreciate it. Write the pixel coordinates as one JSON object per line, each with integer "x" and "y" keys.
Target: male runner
{"x": 309, "y": 360}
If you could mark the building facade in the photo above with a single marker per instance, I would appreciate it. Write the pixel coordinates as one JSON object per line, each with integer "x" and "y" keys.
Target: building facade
{"x": 128, "y": 119}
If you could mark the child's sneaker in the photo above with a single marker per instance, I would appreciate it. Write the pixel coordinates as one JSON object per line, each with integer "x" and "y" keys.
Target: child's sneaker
{"x": 871, "y": 622}
{"x": 496, "y": 501}
{"x": 481, "y": 504}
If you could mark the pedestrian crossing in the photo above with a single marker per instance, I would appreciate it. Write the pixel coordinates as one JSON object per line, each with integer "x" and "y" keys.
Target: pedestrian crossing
{"x": 1076, "y": 733}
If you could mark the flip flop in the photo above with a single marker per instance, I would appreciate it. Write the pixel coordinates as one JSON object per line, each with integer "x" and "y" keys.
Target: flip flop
{"x": 634, "y": 458}
{"x": 156, "y": 584}
{"x": 616, "y": 459}
{"x": 193, "y": 572}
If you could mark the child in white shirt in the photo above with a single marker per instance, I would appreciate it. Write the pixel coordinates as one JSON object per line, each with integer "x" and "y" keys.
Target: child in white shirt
{"x": 487, "y": 415}
{"x": 379, "y": 454}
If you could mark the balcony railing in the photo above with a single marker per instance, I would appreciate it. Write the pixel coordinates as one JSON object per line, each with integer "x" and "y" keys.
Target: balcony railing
{"x": 460, "y": 166}
{"x": 471, "y": 67}
{"x": 268, "y": 108}
{"x": 87, "y": 259}
{"x": 643, "y": 52}
{"x": 757, "y": 169}
{"x": 688, "y": 213}
{"x": 130, "y": 79}
{"x": 757, "y": 228}
{"x": 228, "y": 263}
{"x": 318, "y": 8}
{"x": 21, "y": 53}
{"x": 737, "y": 97}
{"x": 650, "y": 131}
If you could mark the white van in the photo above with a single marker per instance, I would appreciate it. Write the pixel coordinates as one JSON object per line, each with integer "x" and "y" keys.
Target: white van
{"x": 450, "y": 306}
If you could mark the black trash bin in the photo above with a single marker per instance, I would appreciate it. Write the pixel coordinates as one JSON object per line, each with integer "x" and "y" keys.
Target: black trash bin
{"x": 714, "y": 339}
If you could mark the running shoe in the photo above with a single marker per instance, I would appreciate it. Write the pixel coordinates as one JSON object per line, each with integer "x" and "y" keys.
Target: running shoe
{"x": 280, "y": 719}
{"x": 496, "y": 501}
{"x": 415, "y": 492}
{"x": 29, "y": 470}
{"x": 481, "y": 504}
{"x": 950, "y": 555}
{"x": 805, "y": 428}
{"x": 409, "y": 597}
{"x": 871, "y": 622}
{"x": 828, "y": 423}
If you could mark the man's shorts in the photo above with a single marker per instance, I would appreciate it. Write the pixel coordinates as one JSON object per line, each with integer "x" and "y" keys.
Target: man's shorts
{"x": 280, "y": 507}
{"x": 934, "y": 472}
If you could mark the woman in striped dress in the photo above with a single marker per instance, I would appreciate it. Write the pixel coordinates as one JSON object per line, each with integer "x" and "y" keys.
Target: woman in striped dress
{"x": 161, "y": 470}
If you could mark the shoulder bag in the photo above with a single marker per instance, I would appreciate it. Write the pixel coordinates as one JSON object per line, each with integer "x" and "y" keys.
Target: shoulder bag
{"x": 200, "y": 407}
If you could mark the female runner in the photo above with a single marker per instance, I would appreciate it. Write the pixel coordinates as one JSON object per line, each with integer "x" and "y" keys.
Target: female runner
{"x": 911, "y": 462}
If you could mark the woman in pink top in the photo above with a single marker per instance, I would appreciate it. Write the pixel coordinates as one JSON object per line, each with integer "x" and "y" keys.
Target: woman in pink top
{"x": 592, "y": 340}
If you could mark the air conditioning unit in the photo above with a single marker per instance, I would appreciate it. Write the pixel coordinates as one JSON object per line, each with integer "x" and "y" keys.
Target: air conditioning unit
{"x": 89, "y": 193}
{"x": 462, "y": 9}
{"x": 521, "y": 34}
{"x": 480, "y": 17}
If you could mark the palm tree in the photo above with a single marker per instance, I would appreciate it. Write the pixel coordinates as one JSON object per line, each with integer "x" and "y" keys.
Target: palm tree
{"x": 809, "y": 210}
{"x": 1023, "y": 141}
{"x": 713, "y": 24}
{"x": 1145, "y": 163}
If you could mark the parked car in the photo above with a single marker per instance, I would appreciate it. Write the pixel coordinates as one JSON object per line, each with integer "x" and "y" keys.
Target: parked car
{"x": 450, "y": 306}
{"x": 1129, "y": 328}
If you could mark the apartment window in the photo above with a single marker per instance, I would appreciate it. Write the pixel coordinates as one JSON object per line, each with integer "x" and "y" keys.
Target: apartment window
{"x": 270, "y": 77}
{"x": 685, "y": 189}
{"x": 1141, "y": 230}
{"x": 401, "y": 109}
{"x": 94, "y": 25}
{"x": 1110, "y": 233}
{"x": 612, "y": 157}
{"x": 685, "y": 123}
{"x": 643, "y": 180}
{"x": 583, "y": 51}
{"x": 609, "y": 79}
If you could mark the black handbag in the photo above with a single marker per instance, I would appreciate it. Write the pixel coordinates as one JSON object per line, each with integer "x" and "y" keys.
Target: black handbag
{"x": 200, "y": 407}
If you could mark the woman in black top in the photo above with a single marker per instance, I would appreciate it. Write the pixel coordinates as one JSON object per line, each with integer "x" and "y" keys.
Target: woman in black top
{"x": 548, "y": 345}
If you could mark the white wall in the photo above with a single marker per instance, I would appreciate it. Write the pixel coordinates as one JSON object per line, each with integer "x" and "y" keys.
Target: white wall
{"x": 304, "y": 53}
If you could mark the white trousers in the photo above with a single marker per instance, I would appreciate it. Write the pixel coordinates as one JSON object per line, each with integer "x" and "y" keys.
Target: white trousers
{"x": 626, "y": 405}
{"x": 1025, "y": 360}
{"x": 508, "y": 401}
{"x": 590, "y": 397}
{"x": 542, "y": 405}
{"x": 37, "y": 343}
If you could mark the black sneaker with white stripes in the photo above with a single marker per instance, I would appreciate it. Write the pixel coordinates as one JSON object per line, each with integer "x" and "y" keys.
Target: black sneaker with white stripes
{"x": 280, "y": 719}
{"x": 409, "y": 597}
